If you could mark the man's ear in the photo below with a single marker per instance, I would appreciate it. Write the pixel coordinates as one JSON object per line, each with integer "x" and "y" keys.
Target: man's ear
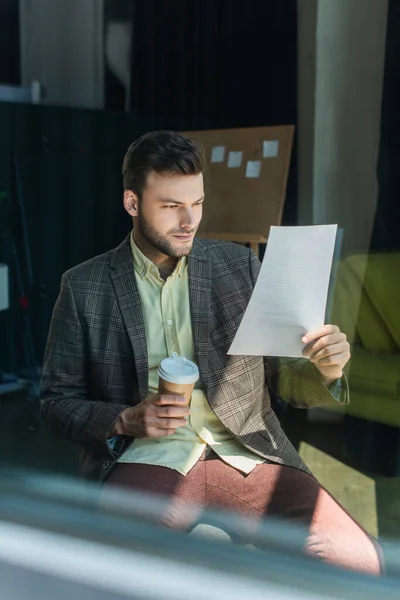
{"x": 131, "y": 203}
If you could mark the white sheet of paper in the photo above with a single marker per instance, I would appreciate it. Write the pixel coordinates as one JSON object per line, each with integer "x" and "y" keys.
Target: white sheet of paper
{"x": 253, "y": 169}
{"x": 235, "y": 159}
{"x": 290, "y": 295}
{"x": 270, "y": 149}
{"x": 218, "y": 154}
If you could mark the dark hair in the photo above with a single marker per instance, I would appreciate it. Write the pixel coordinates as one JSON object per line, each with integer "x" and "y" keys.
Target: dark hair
{"x": 163, "y": 152}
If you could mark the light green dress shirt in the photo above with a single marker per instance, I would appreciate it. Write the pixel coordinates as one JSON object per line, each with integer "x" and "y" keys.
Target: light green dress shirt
{"x": 166, "y": 312}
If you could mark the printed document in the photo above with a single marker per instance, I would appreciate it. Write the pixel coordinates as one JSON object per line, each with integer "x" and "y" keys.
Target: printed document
{"x": 290, "y": 295}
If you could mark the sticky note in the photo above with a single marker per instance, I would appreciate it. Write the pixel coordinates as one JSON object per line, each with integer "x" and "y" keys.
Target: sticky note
{"x": 270, "y": 149}
{"x": 218, "y": 154}
{"x": 235, "y": 160}
{"x": 253, "y": 169}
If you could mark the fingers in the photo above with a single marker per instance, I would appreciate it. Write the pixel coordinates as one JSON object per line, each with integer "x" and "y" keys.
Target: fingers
{"x": 168, "y": 423}
{"x": 168, "y": 399}
{"x": 154, "y": 427}
{"x": 314, "y": 353}
{"x": 330, "y": 354}
{"x": 163, "y": 427}
{"x": 327, "y": 342}
{"x": 323, "y": 331}
{"x": 172, "y": 412}
{"x": 334, "y": 360}
{"x": 157, "y": 419}
{"x": 328, "y": 349}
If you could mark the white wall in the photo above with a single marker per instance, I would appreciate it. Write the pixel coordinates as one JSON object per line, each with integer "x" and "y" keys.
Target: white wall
{"x": 62, "y": 47}
{"x": 340, "y": 112}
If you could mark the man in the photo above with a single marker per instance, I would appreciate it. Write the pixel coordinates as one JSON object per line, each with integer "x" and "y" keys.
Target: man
{"x": 163, "y": 291}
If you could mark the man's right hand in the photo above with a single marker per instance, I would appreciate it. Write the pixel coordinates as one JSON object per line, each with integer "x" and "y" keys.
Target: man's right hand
{"x": 155, "y": 417}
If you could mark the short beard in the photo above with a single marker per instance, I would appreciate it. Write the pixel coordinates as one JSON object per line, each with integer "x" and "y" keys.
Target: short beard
{"x": 158, "y": 241}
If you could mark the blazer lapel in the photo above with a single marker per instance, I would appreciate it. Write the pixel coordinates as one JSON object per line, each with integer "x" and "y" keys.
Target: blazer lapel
{"x": 199, "y": 295}
{"x": 127, "y": 293}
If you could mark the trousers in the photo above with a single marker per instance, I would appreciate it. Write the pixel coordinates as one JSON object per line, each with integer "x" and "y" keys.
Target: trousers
{"x": 270, "y": 490}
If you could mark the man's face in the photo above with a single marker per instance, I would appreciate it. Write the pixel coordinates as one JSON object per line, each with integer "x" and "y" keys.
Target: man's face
{"x": 169, "y": 212}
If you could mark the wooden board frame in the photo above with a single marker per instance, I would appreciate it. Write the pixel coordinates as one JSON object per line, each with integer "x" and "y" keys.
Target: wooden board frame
{"x": 240, "y": 208}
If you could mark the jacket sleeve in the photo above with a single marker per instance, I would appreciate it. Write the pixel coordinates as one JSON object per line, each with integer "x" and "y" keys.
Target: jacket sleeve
{"x": 296, "y": 380}
{"x": 66, "y": 407}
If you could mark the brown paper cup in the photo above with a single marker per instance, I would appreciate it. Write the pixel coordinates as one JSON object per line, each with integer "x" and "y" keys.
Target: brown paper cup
{"x": 177, "y": 376}
{"x": 176, "y": 389}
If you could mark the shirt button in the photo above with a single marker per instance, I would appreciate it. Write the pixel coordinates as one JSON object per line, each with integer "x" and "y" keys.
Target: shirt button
{"x": 196, "y": 409}
{"x": 166, "y": 291}
{"x": 169, "y": 322}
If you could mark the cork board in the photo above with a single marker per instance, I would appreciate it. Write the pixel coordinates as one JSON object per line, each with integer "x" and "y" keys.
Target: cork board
{"x": 245, "y": 180}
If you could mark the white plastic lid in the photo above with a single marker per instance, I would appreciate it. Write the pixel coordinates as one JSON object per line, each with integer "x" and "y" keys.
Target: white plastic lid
{"x": 178, "y": 369}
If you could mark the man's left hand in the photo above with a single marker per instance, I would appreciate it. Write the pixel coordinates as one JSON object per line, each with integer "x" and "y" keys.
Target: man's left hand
{"x": 329, "y": 350}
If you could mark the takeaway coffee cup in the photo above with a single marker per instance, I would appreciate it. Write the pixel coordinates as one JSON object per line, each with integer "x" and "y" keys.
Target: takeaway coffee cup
{"x": 177, "y": 376}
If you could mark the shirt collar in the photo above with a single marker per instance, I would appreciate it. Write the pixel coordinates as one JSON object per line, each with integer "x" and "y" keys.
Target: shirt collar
{"x": 144, "y": 266}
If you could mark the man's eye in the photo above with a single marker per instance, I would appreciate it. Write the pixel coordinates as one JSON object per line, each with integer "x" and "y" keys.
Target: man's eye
{"x": 171, "y": 206}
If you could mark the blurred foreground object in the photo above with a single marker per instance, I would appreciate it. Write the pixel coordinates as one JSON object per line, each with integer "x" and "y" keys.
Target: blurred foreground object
{"x": 57, "y": 542}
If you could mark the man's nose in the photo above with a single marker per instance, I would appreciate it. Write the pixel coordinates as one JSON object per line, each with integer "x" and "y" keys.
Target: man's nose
{"x": 187, "y": 219}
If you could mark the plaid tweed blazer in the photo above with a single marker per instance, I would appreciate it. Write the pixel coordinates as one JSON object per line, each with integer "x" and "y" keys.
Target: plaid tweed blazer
{"x": 96, "y": 363}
